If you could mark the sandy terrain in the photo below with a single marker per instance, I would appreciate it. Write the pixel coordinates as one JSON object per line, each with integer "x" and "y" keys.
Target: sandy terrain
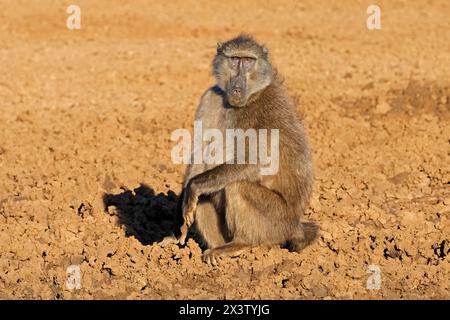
{"x": 86, "y": 177}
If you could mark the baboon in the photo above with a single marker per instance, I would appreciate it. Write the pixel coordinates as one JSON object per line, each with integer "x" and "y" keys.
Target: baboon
{"x": 234, "y": 206}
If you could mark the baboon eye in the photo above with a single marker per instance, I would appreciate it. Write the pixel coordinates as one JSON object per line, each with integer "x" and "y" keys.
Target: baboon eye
{"x": 234, "y": 62}
{"x": 248, "y": 62}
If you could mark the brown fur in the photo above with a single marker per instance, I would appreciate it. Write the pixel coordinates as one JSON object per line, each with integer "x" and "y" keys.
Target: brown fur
{"x": 249, "y": 208}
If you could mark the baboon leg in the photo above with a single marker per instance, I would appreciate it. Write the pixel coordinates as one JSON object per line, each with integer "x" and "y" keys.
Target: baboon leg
{"x": 210, "y": 223}
{"x": 256, "y": 215}
{"x": 252, "y": 217}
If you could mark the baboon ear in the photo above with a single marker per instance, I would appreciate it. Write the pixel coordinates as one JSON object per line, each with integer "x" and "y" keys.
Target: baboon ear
{"x": 265, "y": 51}
{"x": 219, "y": 46}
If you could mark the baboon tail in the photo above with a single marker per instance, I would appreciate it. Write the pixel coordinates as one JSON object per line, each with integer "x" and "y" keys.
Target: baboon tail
{"x": 306, "y": 236}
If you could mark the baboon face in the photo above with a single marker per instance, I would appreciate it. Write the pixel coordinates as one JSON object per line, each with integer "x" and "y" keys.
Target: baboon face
{"x": 242, "y": 69}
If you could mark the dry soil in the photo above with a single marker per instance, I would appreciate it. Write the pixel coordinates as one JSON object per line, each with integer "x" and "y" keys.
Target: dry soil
{"x": 86, "y": 177}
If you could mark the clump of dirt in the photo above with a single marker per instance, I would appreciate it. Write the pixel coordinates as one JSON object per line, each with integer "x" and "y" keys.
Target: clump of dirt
{"x": 88, "y": 188}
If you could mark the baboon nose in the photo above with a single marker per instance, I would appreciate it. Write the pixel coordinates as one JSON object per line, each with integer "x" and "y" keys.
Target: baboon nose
{"x": 237, "y": 92}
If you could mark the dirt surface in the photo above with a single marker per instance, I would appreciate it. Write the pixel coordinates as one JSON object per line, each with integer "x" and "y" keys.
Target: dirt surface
{"x": 86, "y": 177}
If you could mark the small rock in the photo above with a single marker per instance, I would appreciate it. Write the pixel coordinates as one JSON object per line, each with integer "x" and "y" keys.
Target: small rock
{"x": 382, "y": 107}
{"x": 326, "y": 235}
{"x": 368, "y": 86}
{"x": 409, "y": 218}
{"x": 447, "y": 201}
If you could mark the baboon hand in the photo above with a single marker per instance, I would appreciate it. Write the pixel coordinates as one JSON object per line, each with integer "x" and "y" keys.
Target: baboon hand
{"x": 190, "y": 199}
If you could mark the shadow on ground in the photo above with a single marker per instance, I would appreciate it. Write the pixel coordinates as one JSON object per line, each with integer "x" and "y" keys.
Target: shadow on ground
{"x": 147, "y": 216}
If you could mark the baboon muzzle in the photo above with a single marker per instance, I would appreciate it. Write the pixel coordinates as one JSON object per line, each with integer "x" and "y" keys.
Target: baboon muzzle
{"x": 237, "y": 90}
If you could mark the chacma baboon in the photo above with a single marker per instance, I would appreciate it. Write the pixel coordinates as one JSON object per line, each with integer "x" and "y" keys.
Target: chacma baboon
{"x": 233, "y": 205}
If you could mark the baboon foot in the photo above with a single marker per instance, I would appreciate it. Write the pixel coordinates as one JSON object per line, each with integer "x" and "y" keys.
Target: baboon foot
{"x": 231, "y": 249}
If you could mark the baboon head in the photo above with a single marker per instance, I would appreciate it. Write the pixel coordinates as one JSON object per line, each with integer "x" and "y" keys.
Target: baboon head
{"x": 242, "y": 68}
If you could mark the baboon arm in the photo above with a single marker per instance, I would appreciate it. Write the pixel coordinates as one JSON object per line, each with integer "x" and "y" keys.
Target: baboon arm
{"x": 217, "y": 178}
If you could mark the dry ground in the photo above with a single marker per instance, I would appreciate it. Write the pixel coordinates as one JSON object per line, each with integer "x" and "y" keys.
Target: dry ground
{"x": 85, "y": 123}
